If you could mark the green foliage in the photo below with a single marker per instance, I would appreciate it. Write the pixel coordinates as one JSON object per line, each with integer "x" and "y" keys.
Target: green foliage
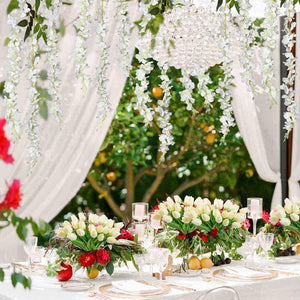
{"x": 20, "y": 278}
{"x": 1, "y": 274}
{"x": 13, "y": 4}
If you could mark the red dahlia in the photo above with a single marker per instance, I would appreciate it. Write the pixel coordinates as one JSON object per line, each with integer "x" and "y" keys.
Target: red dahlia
{"x": 4, "y": 145}
{"x": 87, "y": 259}
{"x": 181, "y": 235}
{"x": 102, "y": 256}
{"x": 13, "y": 196}
{"x": 125, "y": 235}
{"x": 266, "y": 216}
{"x": 203, "y": 237}
{"x": 193, "y": 233}
{"x": 213, "y": 232}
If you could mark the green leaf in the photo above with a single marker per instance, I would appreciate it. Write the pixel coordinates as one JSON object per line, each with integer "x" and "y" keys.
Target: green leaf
{"x": 18, "y": 277}
{"x": 43, "y": 227}
{"x": 13, "y": 4}
{"x": 43, "y": 75}
{"x": 36, "y": 28}
{"x": 44, "y": 37}
{"x": 2, "y": 83}
{"x": 23, "y": 23}
{"x": 37, "y": 5}
{"x": 7, "y": 40}
{"x": 67, "y": 3}
{"x": 14, "y": 219}
{"x": 27, "y": 33}
{"x": 43, "y": 109}
{"x": 109, "y": 268}
{"x": 1, "y": 274}
{"x": 35, "y": 228}
{"x": 22, "y": 231}
{"x": 62, "y": 28}
{"x": 43, "y": 93}
{"x": 48, "y": 3}
{"x": 219, "y": 4}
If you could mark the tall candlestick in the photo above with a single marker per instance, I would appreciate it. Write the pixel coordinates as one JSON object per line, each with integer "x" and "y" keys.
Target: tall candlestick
{"x": 255, "y": 210}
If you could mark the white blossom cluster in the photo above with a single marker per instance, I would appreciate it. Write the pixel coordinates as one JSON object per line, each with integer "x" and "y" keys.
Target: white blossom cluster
{"x": 82, "y": 24}
{"x": 146, "y": 16}
{"x": 247, "y": 38}
{"x": 122, "y": 15}
{"x": 268, "y": 34}
{"x": 141, "y": 88}
{"x": 34, "y": 150}
{"x": 203, "y": 81}
{"x": 51, "y": 18}
{"x": 186, "y": 94}
{"x": 103, "y": 104}
{"x": 289, "y": 41}
{"x": 166, "y": 138}
{"x": 226, "y": 119}
{"x": 14, "y": 67}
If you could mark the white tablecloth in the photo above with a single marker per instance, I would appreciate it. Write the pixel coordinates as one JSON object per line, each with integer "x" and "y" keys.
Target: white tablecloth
{"x": 282, "y": 287}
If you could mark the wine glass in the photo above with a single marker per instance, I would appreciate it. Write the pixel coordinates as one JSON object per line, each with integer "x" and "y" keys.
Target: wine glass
{"x": 139, "y": 211}
{"x": 153, "y": 222}
{"x": 30, "y": 247}
{"x": 252, "y": 243}
{"x": 140, "y": 260}
{"x": 266, "y": 241}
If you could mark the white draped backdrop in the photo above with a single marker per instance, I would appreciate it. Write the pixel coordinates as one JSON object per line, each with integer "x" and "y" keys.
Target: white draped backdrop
{"x": 69, "y": 153}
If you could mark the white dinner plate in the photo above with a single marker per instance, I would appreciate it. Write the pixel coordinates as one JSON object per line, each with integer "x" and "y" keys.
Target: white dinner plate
{"x": 288, "y": 259}
{"x": 77, "y": 286}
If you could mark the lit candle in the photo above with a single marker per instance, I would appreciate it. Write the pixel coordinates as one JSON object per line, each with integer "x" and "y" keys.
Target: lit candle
{"x": 139, "y": 211}
{"x": 256, "y": 208}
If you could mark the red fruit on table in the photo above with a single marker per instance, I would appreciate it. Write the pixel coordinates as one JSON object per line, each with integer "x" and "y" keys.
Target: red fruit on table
{"x": 66, "y": 274}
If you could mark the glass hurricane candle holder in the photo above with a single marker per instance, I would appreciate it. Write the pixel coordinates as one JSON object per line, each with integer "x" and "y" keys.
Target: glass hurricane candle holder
{"x": 139, "y": 211}
{"x": 254, "y": 211}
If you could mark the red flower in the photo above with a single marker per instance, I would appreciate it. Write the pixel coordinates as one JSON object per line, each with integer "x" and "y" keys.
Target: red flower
{"x": 266, "y": 216}
{"x": 278, "y": 224}
{"x": 293, "y": 233}
{"x": 193, "y": 233}
{"x": 66, "y": 274}
{"x": 246, "y": 224}
{"x": 13, "y": 196}
{"x": 87, "y": 259}
{"x": 155, "y": 207}
{"x": 213, "y": 232}
{"x": 226, "y": 228}
{"x": 102, "y": 256}
{"x": 4, "y": 145}
{"x": 125, "y": 235}
{"x": 181, "y": 235}
{"x": 203, "y": 237}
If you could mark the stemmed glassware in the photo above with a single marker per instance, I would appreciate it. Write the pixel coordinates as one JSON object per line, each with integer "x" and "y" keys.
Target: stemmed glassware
{"x": 253, "y": 244}
{"x": 254, "y": 211}
{"x": 265, "y": 241}
{"x": 30, "y": 248}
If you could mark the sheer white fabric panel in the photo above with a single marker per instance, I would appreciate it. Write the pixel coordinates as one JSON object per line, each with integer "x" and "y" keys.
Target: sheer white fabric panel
{"x": 68, "y": 153}
{"x": 294, "y": 188}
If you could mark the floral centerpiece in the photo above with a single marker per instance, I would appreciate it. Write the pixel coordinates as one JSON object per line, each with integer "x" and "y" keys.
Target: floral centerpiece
{"x": 95, "y": 242}
{"x": 192, "y": 225}
{"x": 283, "y": 221}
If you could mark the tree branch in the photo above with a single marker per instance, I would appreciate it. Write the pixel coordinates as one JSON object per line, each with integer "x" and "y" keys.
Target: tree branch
{"x": 106, "y": 194}
{"x": 130, "y": 187}
{"x": 189, "y": 183}
{"x": 142, "y": 172}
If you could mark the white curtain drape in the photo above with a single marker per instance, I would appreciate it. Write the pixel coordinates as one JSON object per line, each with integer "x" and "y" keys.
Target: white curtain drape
{"x": 68, "y": 153}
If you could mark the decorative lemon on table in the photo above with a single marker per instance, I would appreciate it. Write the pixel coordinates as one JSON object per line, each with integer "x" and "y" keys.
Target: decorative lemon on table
{"x": 206, "y": 262}
{"x": 157, "y": 92}
{"x": 194, "y": 263}
{"x": 93, "y": 273}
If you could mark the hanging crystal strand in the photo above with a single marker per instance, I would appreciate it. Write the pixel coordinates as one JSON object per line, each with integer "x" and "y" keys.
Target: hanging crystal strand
{"x": 247, "y": 38}
{"x": 186, "y": 94}
{"x": 124, "y": 35}
{"x": 103, "y": 103}
{"x": 271, "y": 30}
{"x": 166, "y": 138}
{"x": 14, "y": 67}
{"x": 51, "y": 17}
{"x": 141, "y": 87}
{"x": 289, "y": 41}
{"x": 82, "y": 25}
{"x": 205, "y": 92}
{"x": 227, "y": 119}
{"x": 32, "y": 130}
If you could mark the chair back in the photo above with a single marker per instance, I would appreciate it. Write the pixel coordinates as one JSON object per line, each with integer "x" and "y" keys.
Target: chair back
{"x": 220, "y": 293}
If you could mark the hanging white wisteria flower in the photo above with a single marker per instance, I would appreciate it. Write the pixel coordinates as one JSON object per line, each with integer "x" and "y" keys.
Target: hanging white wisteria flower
{"x": 247, "y": 39}
{"x": 52, "y": 57}
{"x": 270, "y": 31}
{"x": 186, "y": 94}
{"x": 103, "y": 103}
{"x": 145, "y": 12}
{"x": 124, "y": 35}
{"x": 141, "y": 87}
{"x": 14, "y": 67}
{"x": 166, "y": 138}
{"x": 32, "y": 130}
{"x": 82, "y": 25}
{"x": 203, "y": 81}
{"x": 289, "y": 41}
{"x": 227, "y": 119}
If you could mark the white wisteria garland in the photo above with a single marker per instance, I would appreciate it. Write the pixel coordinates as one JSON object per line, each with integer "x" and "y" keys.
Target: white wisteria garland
{"x": 82, "y": 25}
{"x": 14, "y": 67}
{"x": 103, "y": 103}
{"x": 145, "y": 12}
{"x": 289, "y": 41}
{"x": 204, "y": 90}
{"x": 186, "y": 94}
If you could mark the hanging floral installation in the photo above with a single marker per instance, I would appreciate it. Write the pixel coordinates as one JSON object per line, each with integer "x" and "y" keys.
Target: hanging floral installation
{"x": 167, "y": 36}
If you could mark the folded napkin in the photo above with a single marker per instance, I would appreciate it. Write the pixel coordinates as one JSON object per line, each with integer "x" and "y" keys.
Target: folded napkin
{"x": 243, "y": 272}
{"x": 133, "y": 286}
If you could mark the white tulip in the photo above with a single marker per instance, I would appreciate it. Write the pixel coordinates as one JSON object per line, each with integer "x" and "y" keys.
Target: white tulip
{"x": 61, "y": 233}
{"x": 274, "y": 219}
{"x": 110, "y": 223}
{"x": 114, "y": 232}
{"x": 68, "y": 227}
{"x": 101, "y": 237}
{"x": 74, "y": 222}
{"x": 218, "y": 203}
{"x": 157, "y": 215}
{"x": 177, "y": 199}
{"x": 189, "y": 200}
{"x": 186, "y": 219}
{"x": 99, "y": 228}
{"x": 81, "y": 225}
{"x": 244, "y": 210}
{"x": 80, "y": 232}
{"x": 288, "y": 207}
{"x": 235, "y": 208}
{"x": 225, "y": 222}
{"x": 236, "y": 225}
{"x": 206, "y": 202}
{"x": 82, "y": 217}
{"x": 105, "y": 230}
{"x": 93, "y": 218}
{"x": 206, "y": 209}
{"x": 91, "y": 227}
{"x": 93, "y": 234}
{"x": 281, "y": 213}
{"x": 119, "y": 225}
{"x": 296, "y": 200}
{"x": 219, "y": 219}
{"x": 228, "y": 205}
{"x": 103, "y": 219}
{"x": 224, "y": 214}
{"x": 72, "y": 236}
{"x": 176, "y": 214}
{"x": 111, "y": 240}
{"x": 239, "y": 218}
{"x": 198, "y": 201}
{"x": 296, "y": 209}
{"x": 177, "y": 207}
{"x": 205, "y": 217}
{"x": 285, "y": 221}
{"x": 167, "y": 219}
{"x": 196, "y": 221}
{"x": 295, "y": 217}
{"x": 170, "y": 201}
{"x": 162, "y": 206}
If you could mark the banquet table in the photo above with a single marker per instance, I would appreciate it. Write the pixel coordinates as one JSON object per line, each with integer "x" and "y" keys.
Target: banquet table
{"x": 285, "y": 286}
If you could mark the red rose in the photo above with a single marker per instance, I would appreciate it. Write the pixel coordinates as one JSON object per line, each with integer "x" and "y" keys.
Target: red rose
{"x": 155, "y": 207}
{"x": 4, "y": 145}
{"x": 66, "y": 274}
{"x": 87, "y": 259}
{"x": 278, "y": 224}
{"x": 293, "y": 233}
{"x": 13, "y": 196}
{"x": 125, "y": 235}
{"x": 266, "y": 216}
{"x": 193, "y": 233}
{"x": 203, "y": 237}
{"x": 181, "y": 235}
{"x": 213, "y": 232}
{"x": 102, "y": 256}
{"x": 246, "y": 224}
